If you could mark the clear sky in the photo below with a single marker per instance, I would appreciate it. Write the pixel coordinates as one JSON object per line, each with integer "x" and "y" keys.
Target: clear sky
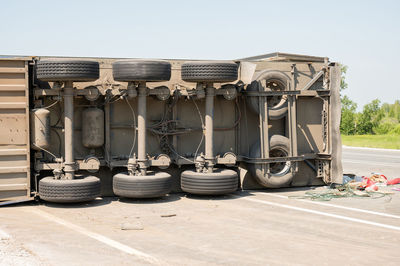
{"x": 364, "y": 35}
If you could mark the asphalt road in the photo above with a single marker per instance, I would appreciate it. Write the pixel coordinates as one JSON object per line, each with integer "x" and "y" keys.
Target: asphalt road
{"x": 251, "y": 228}
{"x": 364, "y": 161}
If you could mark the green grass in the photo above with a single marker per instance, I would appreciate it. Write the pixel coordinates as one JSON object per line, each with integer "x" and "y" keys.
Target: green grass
{"x": 372, "y": 141}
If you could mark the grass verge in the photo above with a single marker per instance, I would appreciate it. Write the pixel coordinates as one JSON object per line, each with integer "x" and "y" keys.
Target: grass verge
{"x": 372, "y": 141}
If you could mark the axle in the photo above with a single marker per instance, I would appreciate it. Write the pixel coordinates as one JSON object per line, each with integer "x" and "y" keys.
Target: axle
{"x": 142, "y": 160}
{"x": 69, "y": 163}
{"x": 209, "y": 129}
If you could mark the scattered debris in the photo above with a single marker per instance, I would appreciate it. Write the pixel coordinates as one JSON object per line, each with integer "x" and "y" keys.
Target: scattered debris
{"x": 341, "y": 191}
{"x": 132, "y": 226}
{"x": 394, "y": 181}
{"x": 168, "y": 215}
{"x": 371, "y": 183}
{"x": 354, "y": 186}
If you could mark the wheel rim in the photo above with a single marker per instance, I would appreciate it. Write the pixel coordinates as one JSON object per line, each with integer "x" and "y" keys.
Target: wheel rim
{"x": 279, "y": 168}
{"x": 275, "y": 85}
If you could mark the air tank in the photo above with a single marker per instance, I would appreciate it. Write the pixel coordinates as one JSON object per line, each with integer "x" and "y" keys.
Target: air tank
{"x": 40, "y": 128}
{"x": 92, "y": 127}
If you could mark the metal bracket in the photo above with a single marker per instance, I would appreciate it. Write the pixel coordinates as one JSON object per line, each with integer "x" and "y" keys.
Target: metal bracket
{"x": 324, "y": 118}
{"x": 162, "y": 161}
{"x": 312, "y": 93}
{"x": 323, "y": 170}
{"x": 229, "y": 159}
{"x": 314, "y": 79}
{"x": 132, "y": 165}
{"x": 264, "y": 134}
{"x": 228, "y": 91}
{"x": 200, "y": 163}
{"x": 292, "y": 121}
{"x": 277, "y": 159}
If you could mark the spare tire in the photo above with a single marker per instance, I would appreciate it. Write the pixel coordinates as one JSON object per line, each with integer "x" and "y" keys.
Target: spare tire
{"x": 219, "y": 182}
{"x": 69, "y": 191}
{"x": 152, "y": 185}
{"x": 141, "y": 70}
{"x": 67, "y": 70}
{"x": 209, "y": 71}
{"x": 280, "y": 173}
{"x": 270, "y": 80}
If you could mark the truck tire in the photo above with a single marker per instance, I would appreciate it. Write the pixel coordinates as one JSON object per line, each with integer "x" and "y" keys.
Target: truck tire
{"x": 280, "y": 173}
{"x": 67, "y": 70}
{"x": 209, "y": 71}
{"x": 153, "y": 185}
{"x": 69, "y": 191}
{"x": 270, "y": 80}
{"x": 141, "y": 70}
{"x": 219, "y": 182}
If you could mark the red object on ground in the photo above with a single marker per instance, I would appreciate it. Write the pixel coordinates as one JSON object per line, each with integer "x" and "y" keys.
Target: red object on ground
{"x": 393, "y": 181}
{"x": 368, "y": 182}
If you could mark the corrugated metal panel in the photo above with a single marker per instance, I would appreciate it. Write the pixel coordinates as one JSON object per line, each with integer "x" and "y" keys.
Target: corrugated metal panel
{"x": 14, "y": 130}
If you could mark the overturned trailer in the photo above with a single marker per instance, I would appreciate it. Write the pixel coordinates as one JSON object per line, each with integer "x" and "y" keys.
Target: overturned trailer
{"x": 77, "y": 128}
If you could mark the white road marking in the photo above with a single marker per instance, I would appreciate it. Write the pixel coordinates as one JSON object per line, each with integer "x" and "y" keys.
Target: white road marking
{"x": 323, "y": 213}
{"x": 375, "y": 155}
{"x": 372, "y": 162}
{"x": 4, "y": 235}
{"x": 371, "y": 149}
{"x": 336, "y": 206}
{"x": 112, "y": 243}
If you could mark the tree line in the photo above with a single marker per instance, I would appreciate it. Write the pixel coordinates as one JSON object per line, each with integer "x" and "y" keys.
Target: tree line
{"x": 375, "y": 118}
